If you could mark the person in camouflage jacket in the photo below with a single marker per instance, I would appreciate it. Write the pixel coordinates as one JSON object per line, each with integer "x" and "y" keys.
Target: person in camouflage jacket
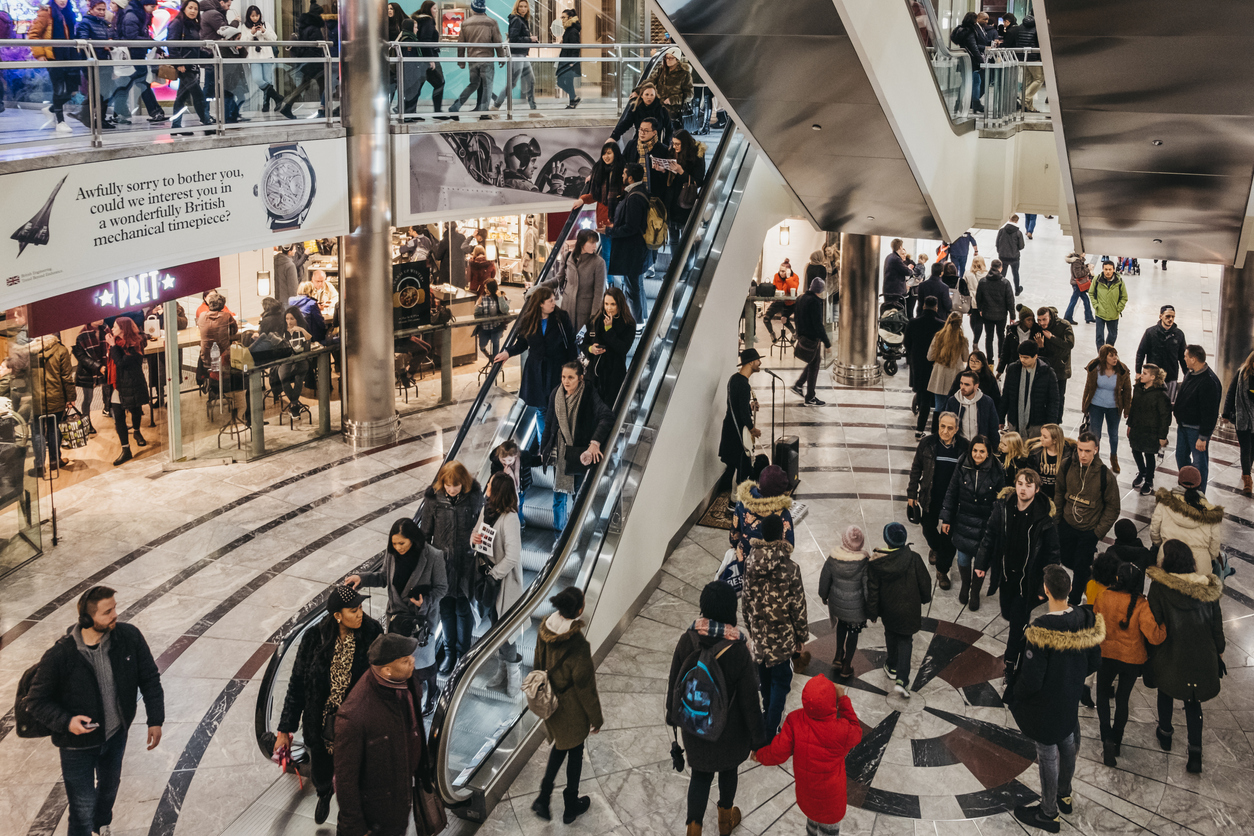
{"x": 775, "y": 613}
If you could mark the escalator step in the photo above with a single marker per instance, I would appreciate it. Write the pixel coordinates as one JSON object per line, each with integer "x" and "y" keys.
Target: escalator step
{"x": 541, "y": 479}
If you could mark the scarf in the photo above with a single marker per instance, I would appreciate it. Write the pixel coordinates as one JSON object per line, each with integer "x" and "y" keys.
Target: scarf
{"x": 1026, "y": 378}
{"x": 969, "y": 424}
{"x": 341, "y": 677}
{"x": 644, "y": 148}
{"x": 567, "y": 408}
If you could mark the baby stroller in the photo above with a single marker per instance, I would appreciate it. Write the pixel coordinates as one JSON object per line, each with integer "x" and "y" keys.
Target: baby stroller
{"x": 892, "y": 327}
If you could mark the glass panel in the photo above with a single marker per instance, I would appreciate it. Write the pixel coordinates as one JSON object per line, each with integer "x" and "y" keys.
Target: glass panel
{"x": 20, "y": 533}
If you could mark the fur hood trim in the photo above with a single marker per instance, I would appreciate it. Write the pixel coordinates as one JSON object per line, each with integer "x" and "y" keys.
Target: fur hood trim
{"x": 844, "y": 556}
{"x": 763, "y": 506}
{"x": 1009, "y": 491}
{"x": 880, "y": 554}
{"x": 1204, "y": 588}
{"x": 1120, "y": 369}
{"x": 1210, "y": 514}
{"x": 1068, "y": 639}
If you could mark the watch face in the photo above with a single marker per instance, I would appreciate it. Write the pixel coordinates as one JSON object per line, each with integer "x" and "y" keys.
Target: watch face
{"x": 286, "y": 186}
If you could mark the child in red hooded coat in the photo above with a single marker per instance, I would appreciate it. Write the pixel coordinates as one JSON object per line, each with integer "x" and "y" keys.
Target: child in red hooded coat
{"x": 818, "y": 736}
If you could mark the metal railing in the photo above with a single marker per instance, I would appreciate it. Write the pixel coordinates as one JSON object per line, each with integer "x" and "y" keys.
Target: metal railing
{"x": 951, "y": 68}
{"x": 1012, "y": 78}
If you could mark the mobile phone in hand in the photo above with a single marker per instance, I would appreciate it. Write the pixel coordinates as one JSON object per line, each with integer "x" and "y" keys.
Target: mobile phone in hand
{"x": 90, "y": 726}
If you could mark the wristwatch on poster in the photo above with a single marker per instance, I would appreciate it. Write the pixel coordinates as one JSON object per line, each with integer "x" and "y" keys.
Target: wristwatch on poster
{"x": 287, "y": 186}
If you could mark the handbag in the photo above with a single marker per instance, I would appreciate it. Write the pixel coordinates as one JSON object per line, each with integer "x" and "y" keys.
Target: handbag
{"x": 805, "y": 349}
{"x": 121, "y": 53}
{"x": 688, "y": 194}
{"x": 73, "y": 429}
{"x": 167, "y": 72}
{"x": 429, "y": 809}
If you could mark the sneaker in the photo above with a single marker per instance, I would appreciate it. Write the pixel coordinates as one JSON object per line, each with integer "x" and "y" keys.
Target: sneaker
{"x": 1065, "y": 803}
{"x": 889, "y": 672}
{"x": 1147, "y": 489}
{"x": 815, "y": 402}
{"x": 1033, "y": 817}
{"x": 796, "y": 388}
{"x": 64, "y": 128}
{"x": 1140, "y": 477}
{"x": 159, "y": 116}
{"x": 900, "y": 690}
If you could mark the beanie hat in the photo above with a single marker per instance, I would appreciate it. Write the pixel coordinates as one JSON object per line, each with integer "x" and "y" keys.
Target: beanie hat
{"x": 718, "y": 602}
{"x": 478, "y": 6}
{"x": 773, "y": 481}
{"x": 1190, "y": 477}
{"x": 895, "y": 535}
{"x": 772, "y": 528}
{"x": 1125, "y": 530}
{"x": 853, "y": 539}
{"x": 817, "y": 285}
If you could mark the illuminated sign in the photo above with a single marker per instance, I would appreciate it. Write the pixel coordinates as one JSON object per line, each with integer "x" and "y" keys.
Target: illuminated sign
{"x": 134, "y": 290}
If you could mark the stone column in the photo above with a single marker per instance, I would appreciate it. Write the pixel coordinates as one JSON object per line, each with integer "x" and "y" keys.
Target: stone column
{"x": 1234, "y": 335}
{"x": 366, "y": 281}
{"x": 856, "y": 364}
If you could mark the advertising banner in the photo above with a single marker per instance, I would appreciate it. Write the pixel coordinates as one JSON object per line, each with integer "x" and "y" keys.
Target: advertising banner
{"x": 539, "y": 170}
{"x": 68, "y": 228}
{"x": 411, "y": 295}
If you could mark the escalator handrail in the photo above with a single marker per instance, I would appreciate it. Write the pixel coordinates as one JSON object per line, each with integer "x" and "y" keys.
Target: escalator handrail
{"x": 516, "y": 617}
{"x": 940, "y": 42}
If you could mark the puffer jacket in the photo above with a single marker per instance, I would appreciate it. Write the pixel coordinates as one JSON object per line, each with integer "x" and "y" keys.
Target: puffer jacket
{"x": 675, "y": 85}
{"x": 842, "y": 586}
{"x": 775, "y": 603}
{"x": 995, "y": 298}
{"x": 744, "y": 730}
{"x": 1123, "y": 386}
{"x": 519, "y": 33}
{"x": 1199, "y": 529}
{"x": 92, "y": 28}
{"x": 1062, "y": 649}
{"x": 993, "y": 557}
{"x": 817, "y": 736}
{"x": 637, "y": 112}
{"x": 1109, "y": 297}
{"x": 751, "y": 509}
{"x": 447, "y": 525}
{"x": 969, "y": 501}
{"x": 897, "y": 587}
{"x": 1149, "y": 418}
{"x": 53, "y": 386}
{"x": 133, "y": 24}
{"x": 1186, "y": 665}
{"x": 1059, "y": 343}
{"x": 48, "y": 28}
{"x": 565, "y": 654}
{"x": 1127, "y": 644}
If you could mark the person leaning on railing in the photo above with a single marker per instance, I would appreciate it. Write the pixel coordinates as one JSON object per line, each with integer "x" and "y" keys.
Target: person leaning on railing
{"x": 56, "y": 22}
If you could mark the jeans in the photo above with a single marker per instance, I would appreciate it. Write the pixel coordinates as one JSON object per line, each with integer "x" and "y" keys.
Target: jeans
{"x": 574, "y": 771}
{"x": 1077, "y": 294}
{"x": 121, "y": 94}
{"x": 1127, "y": 675}
{"x": 1192, "y": 718}
{"x": 810, "y": 375}
{"x": 938, "y": 402}
{"x": 1029, "y": 223}
{"x": 291, "y": 377}
{"x": 1011, "y": 265}
{"x": 977, "y": 328}
{"x": 86, "y": 394}
{"x": 993, "y": 328}
{"x": 119, "y": 422}
{"x": 781, "y": 309}
{"x": 699, "y": 792}
{"x": 480, "y": 82}
{"x": 64, "y": 83}
{"x": 1076, "y": 549}
{"x": 1057, "y": 763}
{"x": 490, "y": 338}
{"x": 633, "y": 287}
{"x": 91, "y": 778}
{"x": 1109, "y": 414}
{"x": 458, "y": 623}
{"x": 1187, "y": 452}
{"x": 566, "y": 83}
{"x": 964, "y": 559}
{"x": 560, "y": 504}
{"x": 45, "y": 425}
{"x": 775, "y": 681}
{"x": 977, "y": 89}
{"x": 527, "y": 90}
{"x": 960, "y": 261}
{"x": 936, "y": 540}
{"x": 897, "y": 659}
{"x": 1107, "y": 328}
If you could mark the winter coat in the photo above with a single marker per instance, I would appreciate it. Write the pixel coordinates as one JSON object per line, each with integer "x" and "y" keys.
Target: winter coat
{"x": 1010, "y": 242}
{"x": 739, "y": 416}
{"x": 479, "y": 29}
{"x": 657, "y": 182}
{"x": 842, "y": 586}
{"x": 896, "y": 275}
{"x": 128, "y": 376}
{"x": 970, "y": 40}
{"x": 480, "y": 271}
{"x": 1044, "y": 405}
{"x": 775, "y": 602}
{"x": 425, "y": 31}
{"x": 897, "y": 587}
{"x": 993, "y": 556}
{"x": 944, "y": 376}
{"x": 1198, "y": 400}
{"x": 580, "y": 286}
{"x": 92, "y": 28}
{"x": 567, "y": 657}
{"x": 448, "y": 525}
{"x": 751, "y": 509}
{"x": 65, "y": 686}
{"x": 629, "y": 251}
{"x": 675, "y": 85}
{"x": 923, "y": 467}
{"x": 1109, "y": 297}
{"x": 936, "y": 287}
{"x": 132, "y": 24}
{"x": 429, "y": 574}
{"x": 519, "y": 32}
{"x": 1127, "y": 644}
{"x": 449, "y": 254}
{"x": 526, "y": 461}
{"x": 988, "y": 385}
{"x": 506, "y": 560}
{"x": 1062, "y": 649}
{"x": 547, "y": 351}
{"x": 1199, "y": 529}
{"x": 593, "y": 422}
{"x": 1087, "y": 498}
{"x": 818, "y": 736}
{"x": 969, "y": 501}
{"x": 308, "y": 306}
{"x": 89, "y": 354}
{"x": 1123, "y": 386}
{"x": 309, "y": 687}
{"x": 212, "y": 20}
{"x": 1059, "y": 343}
{"x": 216, "y": 327}
{"x": 286, "y": 276}
{"x": 1149, "y": 417}
{"x": 988, "y": 421}
{"x": 1132, "y": 551}
{"x": 1009, "y": 351}
{"x": 53, "y": 385}
{"x": 694, "y": 173}
{"x": 572, "y": 34}
{"x": 1186, "y": 665}
{"x": 47, "y": 27}
{"x": 745, "y": 730}
{"x": 1163, "y": 347}
{"x": 995, "y": 298}
{"x": 1239, "y": 405}
{"x": 375, "y": 776}
{"x": 808, "y": 317}
{"x": 637, "y": 112}
{"x": 919, "y": 335}
{"x": 608, "y": 371}
{"x": 259, "y": 53}
{"x": 180, "y": 31}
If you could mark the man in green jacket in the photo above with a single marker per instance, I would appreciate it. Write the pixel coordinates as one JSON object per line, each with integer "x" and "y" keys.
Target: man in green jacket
{"x": 1110, "y": 297}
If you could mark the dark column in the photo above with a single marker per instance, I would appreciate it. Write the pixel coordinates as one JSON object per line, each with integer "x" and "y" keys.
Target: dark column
{"x": 1234, "y": 336}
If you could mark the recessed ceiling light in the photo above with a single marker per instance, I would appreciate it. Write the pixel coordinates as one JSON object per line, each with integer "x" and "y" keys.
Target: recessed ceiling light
{"x": 1158, "y": 240}
{"x": 816, "y": 127}
{"x": 870, "y": 217}
{"x": 1156, "y": 142}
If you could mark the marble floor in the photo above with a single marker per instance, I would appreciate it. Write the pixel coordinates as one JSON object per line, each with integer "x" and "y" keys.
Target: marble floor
{"x": 215, "y": 564}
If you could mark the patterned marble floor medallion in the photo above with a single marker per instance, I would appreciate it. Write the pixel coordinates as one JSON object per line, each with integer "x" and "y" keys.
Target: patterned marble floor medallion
{"x": 951, "y": 755}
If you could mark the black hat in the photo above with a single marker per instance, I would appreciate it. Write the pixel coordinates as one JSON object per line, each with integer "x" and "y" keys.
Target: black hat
{"x": 749, "y": 355}
{"x": 344, "y": 597}
{"x": 895, "y": 535}
{"x": 718, "y": 602}
{"x": 389, "y": 647}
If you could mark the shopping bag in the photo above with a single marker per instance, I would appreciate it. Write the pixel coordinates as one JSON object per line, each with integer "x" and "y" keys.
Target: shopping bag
{"x": 74, "y": 429}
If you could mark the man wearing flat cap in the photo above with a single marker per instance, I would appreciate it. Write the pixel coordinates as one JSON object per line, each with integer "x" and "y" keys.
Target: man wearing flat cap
{"x": 377, "y": 787}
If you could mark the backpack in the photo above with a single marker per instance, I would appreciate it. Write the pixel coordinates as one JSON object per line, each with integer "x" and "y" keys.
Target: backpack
{"x": 700, "y": 699}
{"x": 655, "y": 224}
{"x": 1080, "y": 275}
{"x": 25, "y": 722}
{"x": 541, "y": 700}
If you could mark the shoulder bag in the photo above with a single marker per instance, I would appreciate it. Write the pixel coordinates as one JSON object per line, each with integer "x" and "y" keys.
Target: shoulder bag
{"x": 805, "y": 349}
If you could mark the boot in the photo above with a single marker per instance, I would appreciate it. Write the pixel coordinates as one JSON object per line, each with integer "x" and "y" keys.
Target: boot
{"x": 931, "y": 556}
{"x": 1164, "y": 738}
{"x": 541, "y": 807}
{"x": 729, "y": 818}
{"x": 125, "y": 457}
{"x": 576, "y": 806}
{"x": 139, "y": 439}
{"x": 1114, "y": 463}
{"x": 942, "y": 579}
{"x": 498, "y": 679}
{"x": 1109, "y": 753}
{"x": 513, "y": 678}
{"x": 964, "y": 572}
{"x": 1195, "y": 759}
{"x": 1247, "y": 485}
{"x": 433, "y": 691}
{"x": 694, "y": 828}
{"x": 977, "y": 583}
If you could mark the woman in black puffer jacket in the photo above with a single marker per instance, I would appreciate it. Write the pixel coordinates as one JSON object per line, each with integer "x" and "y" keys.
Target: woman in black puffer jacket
{"x": 450, "y": 510}
{"x": 969, "y": 503}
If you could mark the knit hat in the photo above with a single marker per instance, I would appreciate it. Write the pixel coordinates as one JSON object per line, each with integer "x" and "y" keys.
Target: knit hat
{"x": 1125, "y": 531}
{"x": 817, "y": 285}
{"x": 895, "y": 535}
{"x": 343, "y": 597}
{"x": 853, "y": 539}
{"x": 389, "y": 647}
{"x": 1190, "y": 477}
{"x": 718, "y": 602}
{"x": 675, "y": 51}
{"x": 478, "y": 6}
{"x": 773, "y": 481}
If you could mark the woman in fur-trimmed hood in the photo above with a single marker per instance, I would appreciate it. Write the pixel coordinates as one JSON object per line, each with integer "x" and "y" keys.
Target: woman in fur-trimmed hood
{"x": 755, "y": 501}
{"x": 842, "y": 586}
{"x": 1183, "y": 513}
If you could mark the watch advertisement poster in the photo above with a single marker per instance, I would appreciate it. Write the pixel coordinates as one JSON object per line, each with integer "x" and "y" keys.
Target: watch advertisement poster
{"x": 76, "y": 226}
{"x": 411, "y": 295}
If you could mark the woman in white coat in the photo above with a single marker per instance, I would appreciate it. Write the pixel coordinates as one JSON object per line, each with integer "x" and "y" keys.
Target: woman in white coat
{"x": 255, "y": 29}
{"x": 500, "y": 513}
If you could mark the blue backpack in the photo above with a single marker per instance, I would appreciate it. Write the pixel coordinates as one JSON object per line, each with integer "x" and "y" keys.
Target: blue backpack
{"x": 700, "y": 700}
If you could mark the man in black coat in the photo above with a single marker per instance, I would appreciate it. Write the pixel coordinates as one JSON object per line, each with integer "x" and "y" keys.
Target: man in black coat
{"x": 649, "y": 150}
{"x": 808, "y": 319}
{"x": 629, "y": 253}
{"x": 935, "y": 287}
{"x": 739, "y": 417}
{"x": 935, "y": 461}
{"x": 994, "y": 299}
{"x": 1162, "y": 345}
{"x": 1196, "y": 412}
{"x": 1063, "y": 647}
{"x": 85, "y": 692}
{"x": 1029, "y": 397}
{"x": 919, "y": 334}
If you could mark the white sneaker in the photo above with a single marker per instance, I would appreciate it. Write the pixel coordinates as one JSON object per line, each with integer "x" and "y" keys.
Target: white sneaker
{"x": 900, "y": 690}
{"x": 64, "y": 129}
{"x": 105, "y": 830}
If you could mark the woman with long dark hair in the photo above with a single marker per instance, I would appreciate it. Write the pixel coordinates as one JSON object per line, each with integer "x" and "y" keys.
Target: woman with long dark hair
{"x": 186, "y": 27}
{"x": 449, "y": 510}
{"x": 257, "y": 30}
{"x": 684, "y": 172}
{"x": 605, "y": 189}
{"x": 568, "y": 71}
{"x": 545, "y": 332}
{"x": 609, "y": 337}
{"x": 427, "y": 31}
{"x": 1239, "y": 411}
{"x": 125, "y": 374}
{"x": 504, "y": 567}
{"x": 974, "y": 487}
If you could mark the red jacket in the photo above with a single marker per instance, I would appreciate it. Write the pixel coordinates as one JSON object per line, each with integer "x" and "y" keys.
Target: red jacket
{"x": 818, "y": 736}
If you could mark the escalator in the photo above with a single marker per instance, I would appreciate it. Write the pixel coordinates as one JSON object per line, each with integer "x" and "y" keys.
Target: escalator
{"x": 481, "y": 734}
